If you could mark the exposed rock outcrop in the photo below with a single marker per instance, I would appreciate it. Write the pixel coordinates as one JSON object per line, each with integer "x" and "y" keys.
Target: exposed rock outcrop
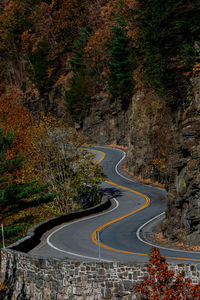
{"x": 162, "y": 145}
{"x": 183, "y": 212}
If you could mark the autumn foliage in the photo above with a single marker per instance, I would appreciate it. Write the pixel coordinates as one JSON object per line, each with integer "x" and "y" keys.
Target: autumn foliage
{"x": 15, "y": 117}
{"x": 162, "y": 283}
{"x": 161, "y": 43}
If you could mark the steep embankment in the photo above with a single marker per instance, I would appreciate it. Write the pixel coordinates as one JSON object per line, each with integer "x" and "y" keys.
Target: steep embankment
{"x": 162, "y": 146}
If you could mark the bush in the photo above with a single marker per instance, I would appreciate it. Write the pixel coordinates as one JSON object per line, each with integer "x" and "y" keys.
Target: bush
{"x": 162, "y": 283}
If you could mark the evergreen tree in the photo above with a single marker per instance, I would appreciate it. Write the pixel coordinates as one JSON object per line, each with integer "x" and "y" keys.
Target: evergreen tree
{"x": 121, "y": 84}
{"x": 78, "y": 102}
{"x": 39, "y": 67}
{"x": 10, "y": 190}
{"x": 167, "y": 33}
{"x": 76, "y": 60}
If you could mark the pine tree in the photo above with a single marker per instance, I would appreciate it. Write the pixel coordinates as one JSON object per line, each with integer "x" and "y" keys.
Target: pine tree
{"x": 168, "y": 31}
{"x": 121, "y": 84}
{"x": 10, "y": 190}
{"x": 76, "y": 60}
{"x": 77, "y": 100}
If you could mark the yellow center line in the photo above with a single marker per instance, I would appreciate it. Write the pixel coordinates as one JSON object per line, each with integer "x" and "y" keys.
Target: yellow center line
{"x": 94, "y": 234}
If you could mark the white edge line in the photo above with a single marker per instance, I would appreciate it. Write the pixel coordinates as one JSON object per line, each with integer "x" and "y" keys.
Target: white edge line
{"x": 138, "y": 234}
{"x": 66, "y": 225}
{"x": 142, "y": 226}
{"x": 116, "y": 168}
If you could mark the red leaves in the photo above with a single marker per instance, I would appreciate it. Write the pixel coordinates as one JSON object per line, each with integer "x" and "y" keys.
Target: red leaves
{"x": 14, "y": 117}
{"x": 162, "y": 283}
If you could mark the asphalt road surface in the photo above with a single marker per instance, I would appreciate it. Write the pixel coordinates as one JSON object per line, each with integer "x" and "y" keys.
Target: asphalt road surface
{"x": 133, "y": 205}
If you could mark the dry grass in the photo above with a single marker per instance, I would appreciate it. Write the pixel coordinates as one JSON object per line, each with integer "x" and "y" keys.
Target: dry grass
{"x": 161, "y": 240}
{"x": 121, "y": 147}
{"x": 142, "y": 180}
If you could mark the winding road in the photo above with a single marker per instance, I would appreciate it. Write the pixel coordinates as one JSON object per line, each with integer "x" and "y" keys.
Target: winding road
{"x": 133, "y": 205}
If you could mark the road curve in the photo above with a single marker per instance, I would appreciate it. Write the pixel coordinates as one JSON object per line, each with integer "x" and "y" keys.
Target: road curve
{"x": 133, "y": 205}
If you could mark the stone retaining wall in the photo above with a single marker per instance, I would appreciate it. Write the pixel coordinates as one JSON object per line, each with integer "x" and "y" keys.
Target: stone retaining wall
{"x": 33, "y": 278}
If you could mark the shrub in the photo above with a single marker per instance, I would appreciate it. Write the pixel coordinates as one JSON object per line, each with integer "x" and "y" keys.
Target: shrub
{"x": 161, "y": 282}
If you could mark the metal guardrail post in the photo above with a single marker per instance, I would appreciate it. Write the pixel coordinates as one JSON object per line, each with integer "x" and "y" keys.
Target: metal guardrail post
{"x": 99, "y": 248}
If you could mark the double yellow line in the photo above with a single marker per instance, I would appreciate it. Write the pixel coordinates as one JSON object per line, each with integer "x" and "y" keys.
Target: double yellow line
{"x": 94, "y": 234}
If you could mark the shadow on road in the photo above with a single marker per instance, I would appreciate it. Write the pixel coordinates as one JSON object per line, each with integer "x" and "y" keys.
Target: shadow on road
{"x": 112, "y": 192}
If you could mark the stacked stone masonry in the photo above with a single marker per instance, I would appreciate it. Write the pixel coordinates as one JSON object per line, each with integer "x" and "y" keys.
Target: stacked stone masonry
{"x": 33, "y": 278}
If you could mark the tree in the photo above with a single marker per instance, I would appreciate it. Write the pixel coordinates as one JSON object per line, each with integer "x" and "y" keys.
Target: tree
{"x": 76, "y": 96}
{"x": 76, "y": 58}
{"x": 77, "y": 99}
{"x": 39, "y": 65}
{"x": 60, "y": 161}
{"x": 161, "y": 282}
{"x": 11, "y": 191}
{"x": 166, "y": 35}
{"x": 69, "y": 17}
{"x": 15, "y": 117}
{"x": 121, "y": 84}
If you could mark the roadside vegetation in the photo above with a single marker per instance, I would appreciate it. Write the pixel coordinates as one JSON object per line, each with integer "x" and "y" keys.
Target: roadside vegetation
{"x": 44, "y": 171}
{"x": 163, "y": 284}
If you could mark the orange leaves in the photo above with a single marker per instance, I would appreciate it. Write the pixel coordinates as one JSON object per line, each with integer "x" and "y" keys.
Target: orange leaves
{"x": 161, "y": 282}
{"x": 131, "y": 3}
{"x": 3, "y": 287}
{"x": 25, "y": 41}
{"x": 101, "y": 19}
{"x": 187, "y": 73}
{"x": 13, "y": 116}
{"x": 96, "y": 44}
{"x": 69, "y": 18}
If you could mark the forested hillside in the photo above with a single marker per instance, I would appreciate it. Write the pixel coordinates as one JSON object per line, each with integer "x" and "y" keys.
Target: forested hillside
{"x": 122, "y": 71}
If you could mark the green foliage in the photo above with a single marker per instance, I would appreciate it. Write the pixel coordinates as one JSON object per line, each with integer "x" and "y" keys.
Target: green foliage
{"x": 76, "y": 59}
{"x": 12, "y": 192}
{"x": 77, "y": 99}
{"x": 13, "y": 230}
{"x": 78, "y": 102}
{"x": 167, "y": 33}
{"x": 13, "y": 23}
{"x": 7, "y": 166}
{"x": 120, "y": 80}
{"x": 68, "y": 169}
{"x": 38, "y": 68}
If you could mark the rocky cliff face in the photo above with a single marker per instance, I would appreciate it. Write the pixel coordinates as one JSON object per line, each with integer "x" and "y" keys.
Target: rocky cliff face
{"x": 162, "y": 145}
{"x": 183, "y": 212}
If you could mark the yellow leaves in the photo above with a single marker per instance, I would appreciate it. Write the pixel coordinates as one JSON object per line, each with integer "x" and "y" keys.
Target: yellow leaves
{"x": 3, "y": 287}
{"x": 53, "y": 3}
{"x": 160, "y": 163}
{"x": 50, "y": 71}
{"x": 196, "y": 68}
{"x": 156, "y": 106}
{"x": 26, "y": 39}
{"x": 58, "y": 160}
